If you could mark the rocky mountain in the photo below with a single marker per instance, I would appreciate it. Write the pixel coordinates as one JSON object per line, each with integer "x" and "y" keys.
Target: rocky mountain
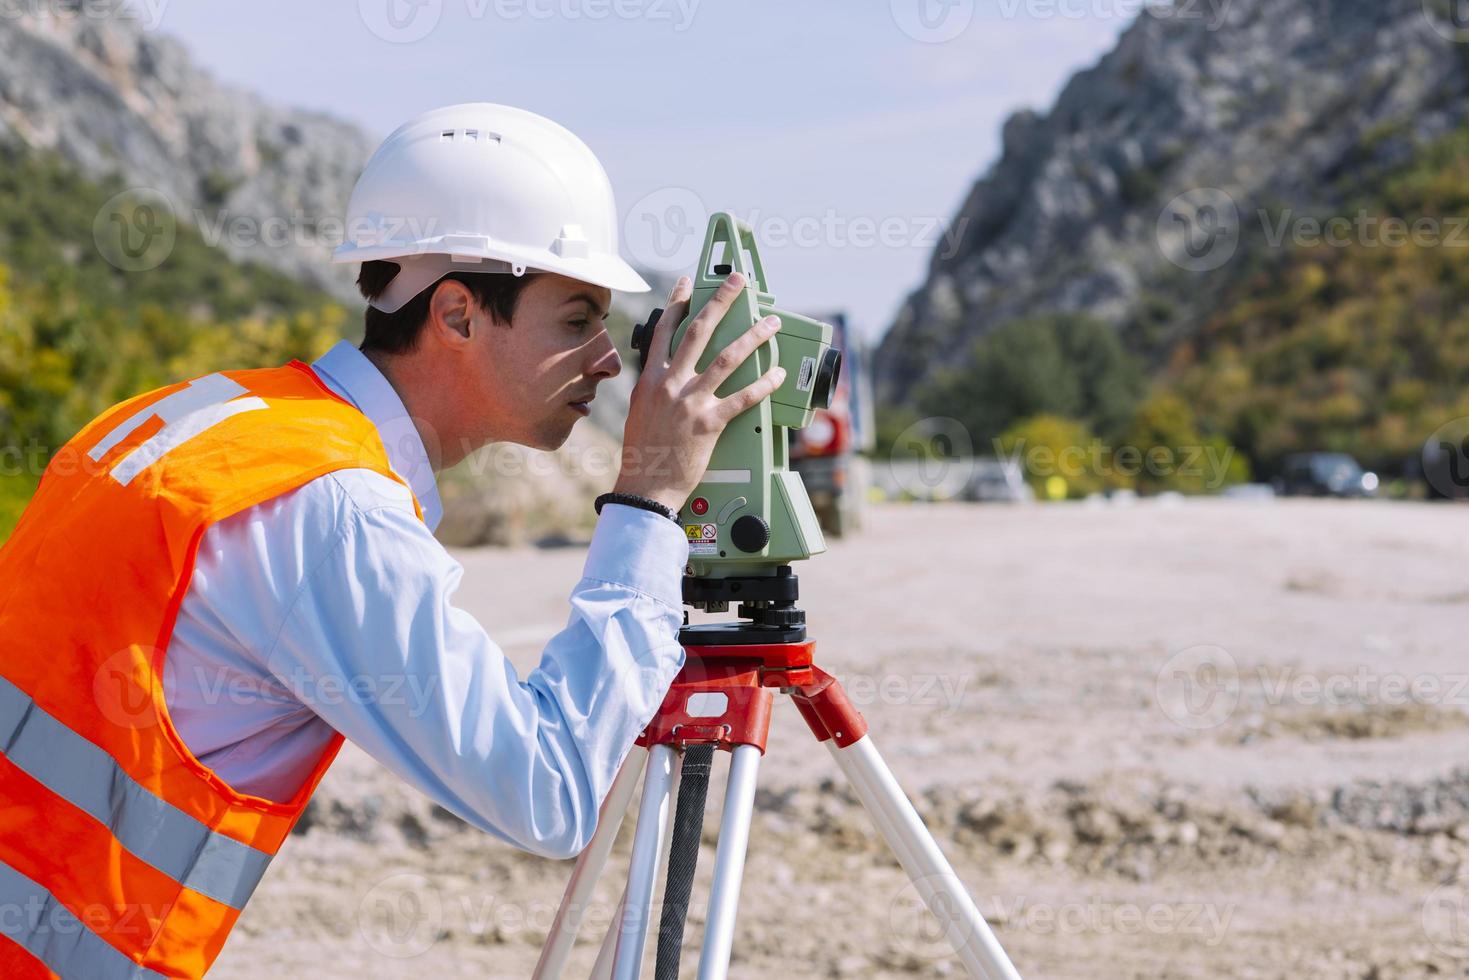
{"x": 123, "y": 105}
{"x": 1159, "y": 176}
{"x": 115, "y": 98}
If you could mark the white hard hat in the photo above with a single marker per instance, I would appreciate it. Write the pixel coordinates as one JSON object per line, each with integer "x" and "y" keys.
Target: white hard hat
{"x": 481, "y": 187}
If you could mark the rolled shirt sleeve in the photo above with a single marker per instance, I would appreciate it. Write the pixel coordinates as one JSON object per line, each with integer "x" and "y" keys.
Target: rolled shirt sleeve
{"x": 435, "y": 700}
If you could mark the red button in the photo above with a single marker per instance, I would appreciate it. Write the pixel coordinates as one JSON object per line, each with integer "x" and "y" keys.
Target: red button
{"x": 700, "y": 506}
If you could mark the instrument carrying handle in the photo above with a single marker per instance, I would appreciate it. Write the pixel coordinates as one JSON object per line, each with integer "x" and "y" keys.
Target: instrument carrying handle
{"x": 741, "y": 252}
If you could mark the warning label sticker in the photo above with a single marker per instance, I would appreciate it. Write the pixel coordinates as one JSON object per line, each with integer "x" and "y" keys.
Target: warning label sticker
{"x": 807, "y": 374}
{"x": 703, "y": 538}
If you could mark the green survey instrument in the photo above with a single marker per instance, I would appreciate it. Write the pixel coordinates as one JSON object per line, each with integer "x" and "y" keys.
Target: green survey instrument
{"x": 750, "y": 516}
{"x": 746, "y": 522}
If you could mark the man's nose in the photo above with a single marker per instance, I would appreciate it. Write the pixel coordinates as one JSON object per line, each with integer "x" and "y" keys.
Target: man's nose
{"x": 606, "y": 363}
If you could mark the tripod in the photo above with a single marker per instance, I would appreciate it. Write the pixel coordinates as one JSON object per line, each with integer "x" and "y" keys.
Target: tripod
{"x": 722, "y": 700}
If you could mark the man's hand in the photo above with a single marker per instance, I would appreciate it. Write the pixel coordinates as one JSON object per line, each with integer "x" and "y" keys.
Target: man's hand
{"x": 675, "y": 418}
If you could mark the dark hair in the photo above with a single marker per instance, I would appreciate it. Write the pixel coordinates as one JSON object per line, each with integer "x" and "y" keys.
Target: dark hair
{"x": 397, "y": 333}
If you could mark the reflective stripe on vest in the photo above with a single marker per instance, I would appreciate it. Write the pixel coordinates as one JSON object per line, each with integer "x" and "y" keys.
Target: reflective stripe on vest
{"x": 152, "y": 829}
{"x": 125, "y": 855}
{"x": 52, "y": 934}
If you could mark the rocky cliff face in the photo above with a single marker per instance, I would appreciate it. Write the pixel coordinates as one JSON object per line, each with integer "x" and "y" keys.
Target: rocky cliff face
{"x": 112, "y": 97}
{"x": 263, "y": 183}
{"x": 1239, "y": 105}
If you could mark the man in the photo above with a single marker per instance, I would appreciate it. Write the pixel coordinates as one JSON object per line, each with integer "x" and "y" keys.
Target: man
{"x": 203, "y": 564}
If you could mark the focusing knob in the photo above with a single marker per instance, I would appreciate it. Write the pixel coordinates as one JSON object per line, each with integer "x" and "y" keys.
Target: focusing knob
{"x": 826, "y": 378}
{"x": 750, "y": 533}
{"x": 642, "y": 336}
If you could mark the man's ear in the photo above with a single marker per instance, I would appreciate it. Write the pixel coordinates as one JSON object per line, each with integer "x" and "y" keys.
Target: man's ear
{"x": 451, "y": 311}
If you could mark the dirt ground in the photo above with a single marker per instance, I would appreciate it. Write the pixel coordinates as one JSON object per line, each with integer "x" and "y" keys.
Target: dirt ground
{"x": 1189, "y": 740}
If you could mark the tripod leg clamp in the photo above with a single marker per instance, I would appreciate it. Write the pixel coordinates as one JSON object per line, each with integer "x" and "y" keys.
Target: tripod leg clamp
{"x": 824, "y": 704}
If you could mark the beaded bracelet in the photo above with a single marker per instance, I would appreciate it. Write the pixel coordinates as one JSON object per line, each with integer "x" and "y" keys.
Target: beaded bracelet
{"x": 633, "y": 500}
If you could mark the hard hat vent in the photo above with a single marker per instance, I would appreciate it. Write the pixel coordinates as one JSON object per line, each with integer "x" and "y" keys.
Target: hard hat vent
{"x": 468, "y": 136}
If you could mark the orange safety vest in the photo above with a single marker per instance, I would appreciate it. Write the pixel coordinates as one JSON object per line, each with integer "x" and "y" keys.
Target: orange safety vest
{"x": 122, "y": 855}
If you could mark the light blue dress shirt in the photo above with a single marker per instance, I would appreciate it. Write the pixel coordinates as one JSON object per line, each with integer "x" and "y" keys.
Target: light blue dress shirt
{"x": 330, "y": 608}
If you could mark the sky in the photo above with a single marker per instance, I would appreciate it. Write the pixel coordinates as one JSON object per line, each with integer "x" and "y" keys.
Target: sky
{"x": 846, "y": 134}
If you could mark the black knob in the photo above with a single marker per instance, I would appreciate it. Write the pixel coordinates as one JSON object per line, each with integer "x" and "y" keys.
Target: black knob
{"x": 773, "y": 616}
{"x": 750, "y": 533}
{"x": 826, "y": 378}
{"x": 642, "y": 336}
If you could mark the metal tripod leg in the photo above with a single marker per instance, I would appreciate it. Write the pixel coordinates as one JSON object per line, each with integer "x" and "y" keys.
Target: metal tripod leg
{"x": 589, "y": 868}
{"x": 631, "y": 924}
{"x": 729, "y": 862}
{"x": 602, "y": 969}
{"x": 930, "y": 872}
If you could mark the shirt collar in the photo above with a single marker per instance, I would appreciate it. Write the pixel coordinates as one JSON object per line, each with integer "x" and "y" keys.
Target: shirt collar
{"x": 348, "y": 372}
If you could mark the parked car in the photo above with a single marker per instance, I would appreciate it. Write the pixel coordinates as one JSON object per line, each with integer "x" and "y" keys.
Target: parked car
{"x": 1324, "y": 475}
{"x": 997, "y": 481}
{"x": 1249, "y": 492}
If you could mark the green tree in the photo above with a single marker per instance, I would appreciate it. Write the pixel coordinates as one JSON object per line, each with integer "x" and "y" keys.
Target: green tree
{"x": 1070, "y": 366}
{"x": 1165, "y": 451}
{"x": 78, "y": 335}
{"x": 1060, "y": 457}
{"x": 1360, "y": 347}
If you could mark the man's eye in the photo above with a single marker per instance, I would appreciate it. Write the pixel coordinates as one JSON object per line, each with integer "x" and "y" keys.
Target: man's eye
{"x": 580, "y": 324}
